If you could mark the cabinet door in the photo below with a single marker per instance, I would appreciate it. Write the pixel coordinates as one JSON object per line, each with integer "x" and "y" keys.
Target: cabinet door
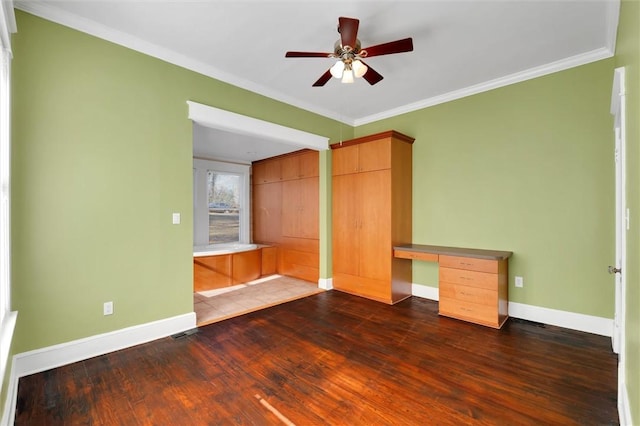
{"x": 211, "y": 272}
{"x": 346, "y": 242}
{"x": 344, "y": 160}
{"x": 290, "y": 167}
{"x": 309, "y": 164}
{"x": 291, "y": 208}
{"x": 266, "y": 171}
{"x": 266, "y": 212}
{"x": 375, "y": 155}
{"x": 300, "y": 208}
{"x": 374, "y": 200}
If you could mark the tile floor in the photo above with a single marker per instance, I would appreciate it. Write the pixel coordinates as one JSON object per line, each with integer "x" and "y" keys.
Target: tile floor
{"x": 216, "y": 305}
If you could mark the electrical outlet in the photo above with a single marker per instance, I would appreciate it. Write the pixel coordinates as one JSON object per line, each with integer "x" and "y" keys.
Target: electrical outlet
{"x": 519, "y": 282}
{"x": 107, "y": 309}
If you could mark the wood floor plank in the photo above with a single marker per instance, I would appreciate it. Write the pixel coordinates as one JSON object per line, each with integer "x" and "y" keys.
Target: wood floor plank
{"x": 338, "y": 359}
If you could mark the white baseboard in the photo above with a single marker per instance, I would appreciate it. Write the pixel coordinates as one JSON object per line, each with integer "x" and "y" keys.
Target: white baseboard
{"x": 425, "y": 291}
{"x": 571, "y": 320}
{"x": 9, "y": 412}
{"x": 325, "y": 283}
{"x": 624, "y": 409}
{"x": 77, "y": 350}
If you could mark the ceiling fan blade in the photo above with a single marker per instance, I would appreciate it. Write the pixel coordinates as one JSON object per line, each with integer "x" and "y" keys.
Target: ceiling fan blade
{"x": 372, "y": 76}
{"x": 323, "y": 80}
{"x": 307, "y": 55}
{"x": 348, "y": 29}
{"x": 398, "y": 46}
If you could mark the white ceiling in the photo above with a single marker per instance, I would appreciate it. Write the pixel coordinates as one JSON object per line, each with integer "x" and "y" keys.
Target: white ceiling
{"x": 460, "y": 47}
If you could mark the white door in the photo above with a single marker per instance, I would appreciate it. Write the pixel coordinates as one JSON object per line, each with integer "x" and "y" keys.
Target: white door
{"x": 621, "y": 211}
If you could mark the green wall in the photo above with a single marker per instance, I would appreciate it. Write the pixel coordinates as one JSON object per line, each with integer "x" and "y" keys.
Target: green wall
{"x": 102, "y": 156}
{"x": 628, "y": 55}
{"x": 526, "y": 168}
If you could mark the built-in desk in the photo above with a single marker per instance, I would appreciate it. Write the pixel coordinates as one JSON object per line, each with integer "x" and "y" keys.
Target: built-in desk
{"x": 473, "y": 283}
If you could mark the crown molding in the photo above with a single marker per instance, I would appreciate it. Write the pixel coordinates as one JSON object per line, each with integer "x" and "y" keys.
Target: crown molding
{"x": 96, "y": 29}
{"x": 7, "y": 24}
{"x": 54, "y": 14}
{"x": 553, "y": 67}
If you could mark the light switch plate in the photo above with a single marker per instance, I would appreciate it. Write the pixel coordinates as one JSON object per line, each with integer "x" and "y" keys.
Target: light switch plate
{"x": 176, "y": 218}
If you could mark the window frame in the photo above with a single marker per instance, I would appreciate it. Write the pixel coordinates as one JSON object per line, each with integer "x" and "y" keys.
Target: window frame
{"x": 201, "y": 202}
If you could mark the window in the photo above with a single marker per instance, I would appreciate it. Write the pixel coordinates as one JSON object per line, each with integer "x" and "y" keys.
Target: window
{"x": 220, "y": 203}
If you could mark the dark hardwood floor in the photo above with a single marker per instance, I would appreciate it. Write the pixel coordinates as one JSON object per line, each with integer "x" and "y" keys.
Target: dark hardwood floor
{"x": 337, "y": 359}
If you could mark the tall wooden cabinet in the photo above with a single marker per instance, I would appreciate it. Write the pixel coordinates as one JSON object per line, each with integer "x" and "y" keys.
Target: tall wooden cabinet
{"x": 285, "y": 211}
{"x": 372, "y": 178}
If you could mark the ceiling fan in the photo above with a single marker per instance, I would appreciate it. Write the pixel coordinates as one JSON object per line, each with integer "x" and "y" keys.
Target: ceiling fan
{"x": 349, "y": 54}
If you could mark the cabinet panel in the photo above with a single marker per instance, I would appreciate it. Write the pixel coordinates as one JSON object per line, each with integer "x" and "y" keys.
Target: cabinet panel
{"x": 299, "y": 264}
{"x": 269, "y": 260}
{"x": 246, "y": 266}
{"x": 267, "y": 206}
{"x": 300, "y": 208}
{"x": 469, "y": 278}
{"x": 290, "y": 167}
{"x": 211, "y": 272}
{"x": 375, "y": 155}
{"x": 309, "y": 164}
{"x": 373, "y": 191}
{"x": 361, "y": 286}
{"x": 300, "y": 165}
{"x": 346, "y": 244}
{"x": 345, "y": 160}
{"x": 266, "y": 171}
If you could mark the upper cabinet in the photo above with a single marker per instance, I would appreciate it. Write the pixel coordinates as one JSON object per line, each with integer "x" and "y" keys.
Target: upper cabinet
{"x": 300, "y": 165}
{"x": 267, "y": 171}
{"x": 357, "y": 158}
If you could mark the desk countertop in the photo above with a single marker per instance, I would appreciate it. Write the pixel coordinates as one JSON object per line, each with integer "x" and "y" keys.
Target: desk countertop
{"x": 456, "y": 251}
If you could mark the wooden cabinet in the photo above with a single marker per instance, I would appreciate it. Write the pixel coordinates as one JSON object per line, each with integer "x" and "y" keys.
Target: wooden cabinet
{"x": 224, "y": 270}
{"x": 286, "y": 211}
{"x": 474, "y": 289}
{"x": 371, "y": 213}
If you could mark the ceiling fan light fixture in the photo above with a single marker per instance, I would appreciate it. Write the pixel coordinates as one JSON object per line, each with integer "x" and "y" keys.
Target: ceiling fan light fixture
{"x": 337, "y": 69}
{"x": 347, "y": 76}
{"x": 359, "y": 69}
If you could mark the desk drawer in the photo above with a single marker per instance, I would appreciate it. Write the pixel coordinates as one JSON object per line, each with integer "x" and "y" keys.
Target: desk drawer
{"x": 469, "y": 278}
{"x": 415, "y": 255}
{"x": 466, "y": 293}
{"x": 474, "y": 312}
{"x": 469, "y": 263}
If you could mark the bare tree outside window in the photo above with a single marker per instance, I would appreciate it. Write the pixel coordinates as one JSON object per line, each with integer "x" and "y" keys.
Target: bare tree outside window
{"x": 223, "y": 191}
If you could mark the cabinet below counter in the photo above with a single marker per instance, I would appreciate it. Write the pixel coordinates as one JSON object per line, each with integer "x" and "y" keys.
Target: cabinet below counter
{"x": 473, "y": 283}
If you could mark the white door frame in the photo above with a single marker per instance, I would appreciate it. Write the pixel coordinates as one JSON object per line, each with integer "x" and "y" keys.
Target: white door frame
{"x": 618, "y": 110}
